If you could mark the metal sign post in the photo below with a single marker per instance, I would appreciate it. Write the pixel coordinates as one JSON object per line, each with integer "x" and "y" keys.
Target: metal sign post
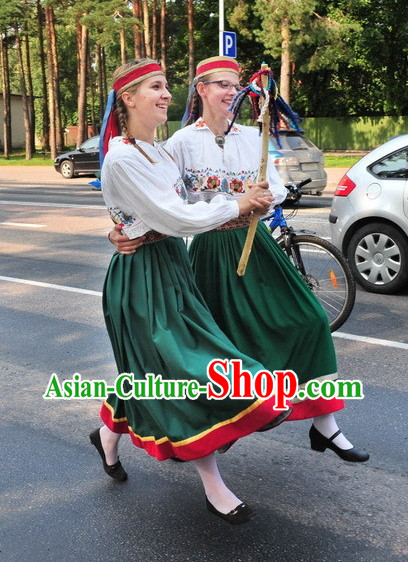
{"x": 221, "y": 27}
{"x": 227, "y": 39}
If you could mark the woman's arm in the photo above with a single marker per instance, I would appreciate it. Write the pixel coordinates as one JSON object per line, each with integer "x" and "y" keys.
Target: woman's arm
{"x": 138, "y": 192}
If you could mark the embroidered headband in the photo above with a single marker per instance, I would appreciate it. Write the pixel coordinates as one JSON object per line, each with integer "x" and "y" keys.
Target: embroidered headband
{"x": 127, "y": 79}
{"x": 216, "y": 64}
{"x": 136, "y": 75}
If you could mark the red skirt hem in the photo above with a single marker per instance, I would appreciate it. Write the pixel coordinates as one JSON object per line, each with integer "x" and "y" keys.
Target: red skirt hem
{"x": 199, "y": 445}
{"x": 314, "y": 408}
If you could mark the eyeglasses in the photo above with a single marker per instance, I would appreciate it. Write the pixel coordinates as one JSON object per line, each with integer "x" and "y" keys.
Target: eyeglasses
{"x": 224, "y": 84}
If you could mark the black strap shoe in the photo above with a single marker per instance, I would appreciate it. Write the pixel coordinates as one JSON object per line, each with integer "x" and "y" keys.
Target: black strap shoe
{"x": 319, "y": 442}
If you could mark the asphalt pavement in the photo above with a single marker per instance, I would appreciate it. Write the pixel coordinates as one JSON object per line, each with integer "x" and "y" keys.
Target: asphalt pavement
{"x": 57, "y": 504}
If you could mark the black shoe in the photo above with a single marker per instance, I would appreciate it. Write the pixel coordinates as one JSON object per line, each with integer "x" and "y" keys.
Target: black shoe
{"x": 277, "y": 421}
{"x": 274, "y": 423}
{"x": 319, "y": 442}
{"x": 115, "y": 471}
{"x": 241, "y": 514}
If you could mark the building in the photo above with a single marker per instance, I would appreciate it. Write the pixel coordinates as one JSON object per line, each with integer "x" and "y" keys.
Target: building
{"x": 17, "y": 121}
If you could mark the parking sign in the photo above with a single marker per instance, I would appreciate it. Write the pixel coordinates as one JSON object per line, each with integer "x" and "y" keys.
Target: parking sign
{"x": 229, "y": 44}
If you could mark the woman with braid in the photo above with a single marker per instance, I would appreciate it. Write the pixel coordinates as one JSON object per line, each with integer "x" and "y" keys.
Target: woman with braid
{"x": 157, "y": 321}
{"x": 269, "y": 312}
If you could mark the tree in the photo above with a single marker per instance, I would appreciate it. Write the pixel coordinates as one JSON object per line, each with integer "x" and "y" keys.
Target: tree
{"x": 28, "y": 67}
{"x": 45, "y": 137}
{"x": 82, "y": 83}
{"x": 146, "y": 29}
{"x": 56, "y": 137}
{"x": 163, "y": 35}
{"x": 5, "y": 82}
{"x": 26, "y": 110}
{"x": 190, "y": 17}
{"x": 137, "y": 34}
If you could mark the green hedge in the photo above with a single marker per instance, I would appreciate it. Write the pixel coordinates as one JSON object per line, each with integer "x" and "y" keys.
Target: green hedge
{"x": 353, "y": 133}
{"x": 350, "y": 133}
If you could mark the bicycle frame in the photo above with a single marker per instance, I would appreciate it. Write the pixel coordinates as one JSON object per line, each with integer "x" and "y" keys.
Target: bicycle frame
{"x": 286, "y": 236}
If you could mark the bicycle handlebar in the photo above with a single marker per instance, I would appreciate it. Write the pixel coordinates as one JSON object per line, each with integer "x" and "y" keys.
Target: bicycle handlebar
{"x": 296, "y": 188}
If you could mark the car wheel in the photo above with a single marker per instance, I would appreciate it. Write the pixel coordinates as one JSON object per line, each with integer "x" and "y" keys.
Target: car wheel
{"x": 67, "y": 169}
{"x": 378, "y": 257}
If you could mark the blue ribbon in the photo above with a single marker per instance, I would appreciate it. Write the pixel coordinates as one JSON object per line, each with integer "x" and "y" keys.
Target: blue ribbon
{"x": 110, "y": 104}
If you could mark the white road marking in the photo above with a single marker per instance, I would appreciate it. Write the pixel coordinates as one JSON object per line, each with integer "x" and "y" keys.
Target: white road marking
{"x": 25, "y": 224}
{"x": 32, "y": 204}
{"x": 373, "y": 341}
{"x": 51, "y": 286}
{"x": 343, "y": 335}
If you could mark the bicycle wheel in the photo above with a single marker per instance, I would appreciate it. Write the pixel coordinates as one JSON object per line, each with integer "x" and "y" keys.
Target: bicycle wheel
{"x": 327, "y": 273}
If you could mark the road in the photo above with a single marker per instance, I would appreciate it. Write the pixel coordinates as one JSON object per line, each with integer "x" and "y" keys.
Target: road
{"x": 55, "y": 501}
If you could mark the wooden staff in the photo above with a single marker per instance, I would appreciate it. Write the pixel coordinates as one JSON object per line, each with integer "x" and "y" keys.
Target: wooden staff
{"x": 261, "y": 177}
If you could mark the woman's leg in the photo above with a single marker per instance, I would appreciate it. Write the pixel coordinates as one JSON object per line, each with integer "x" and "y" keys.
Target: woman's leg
{"x": 327, "y": 426}
{"x": 216, "y": 491}
{"x": 106, "y": 443}
{"x": 110, "y": 441}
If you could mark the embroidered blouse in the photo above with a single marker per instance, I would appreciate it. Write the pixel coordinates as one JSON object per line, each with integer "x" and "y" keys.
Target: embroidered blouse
{"x": 146, "y": 192}
{"x": 208, "y": 170}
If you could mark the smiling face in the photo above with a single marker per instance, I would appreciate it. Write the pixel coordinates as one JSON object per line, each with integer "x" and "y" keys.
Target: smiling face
{"x": 148, "y": 101}
{"x": 214, "y": 96}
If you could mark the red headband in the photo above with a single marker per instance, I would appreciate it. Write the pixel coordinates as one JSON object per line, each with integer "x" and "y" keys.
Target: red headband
{"x": 135, "y": 74}
{"x": 110, "y": 126}
{"x": 217, "y": 64}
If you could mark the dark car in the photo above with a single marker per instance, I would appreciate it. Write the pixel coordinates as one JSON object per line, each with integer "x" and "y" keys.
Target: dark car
{"x": 299, "y": 159}
{"x": 83, "y": 160}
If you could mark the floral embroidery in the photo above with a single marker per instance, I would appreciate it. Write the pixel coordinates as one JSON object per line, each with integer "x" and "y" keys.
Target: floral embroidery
{"x": 213, "y": 182}
{"x": 180, "y": 189}
{"x": 200, "y": 124}
{"x": 209, "y": 179}
{"x": 237, "y": 186}
{"x": 119, "y": 217}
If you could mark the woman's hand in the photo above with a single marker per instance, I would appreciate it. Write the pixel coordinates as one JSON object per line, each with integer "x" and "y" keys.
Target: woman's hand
{"x": 122, "y": 243}
{"x": 258, "y": 199}
{"x": 264, "y": 184}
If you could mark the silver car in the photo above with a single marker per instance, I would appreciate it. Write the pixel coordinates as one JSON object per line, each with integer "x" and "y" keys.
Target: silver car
{"x": 369, "y": 217}
{"x": 297, "y": 160}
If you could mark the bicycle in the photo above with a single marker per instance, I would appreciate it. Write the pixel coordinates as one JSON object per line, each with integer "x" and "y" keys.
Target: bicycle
{"x": 322, "y": 266}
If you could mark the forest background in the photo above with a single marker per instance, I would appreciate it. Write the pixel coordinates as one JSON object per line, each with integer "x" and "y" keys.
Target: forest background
{"x": 331, "y": 58}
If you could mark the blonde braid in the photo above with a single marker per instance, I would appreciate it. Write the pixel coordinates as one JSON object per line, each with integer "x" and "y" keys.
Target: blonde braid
{"x": 121, "y": 113}
{"x": 196, "y": 108}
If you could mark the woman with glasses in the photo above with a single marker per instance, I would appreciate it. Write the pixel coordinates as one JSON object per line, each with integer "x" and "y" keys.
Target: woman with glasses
{"x": 269, "y": 312}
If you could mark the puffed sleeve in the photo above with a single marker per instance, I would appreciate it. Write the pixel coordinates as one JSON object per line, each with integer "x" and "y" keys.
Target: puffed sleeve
{"x": 276, "y": 186}
{"x": 137, "y": 190}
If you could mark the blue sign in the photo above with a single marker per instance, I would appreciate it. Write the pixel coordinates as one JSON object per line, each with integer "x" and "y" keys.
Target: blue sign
{"x": 229, "y": 44}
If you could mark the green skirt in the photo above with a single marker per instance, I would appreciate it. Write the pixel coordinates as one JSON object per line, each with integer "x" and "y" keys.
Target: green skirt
{"x": 158, "y": 323}
{"x": 269, "y": 313}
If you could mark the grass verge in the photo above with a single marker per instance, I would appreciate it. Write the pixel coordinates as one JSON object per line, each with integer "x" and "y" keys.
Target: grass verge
{"x": 18, "y": 159}
{"x": 332, "y": 161}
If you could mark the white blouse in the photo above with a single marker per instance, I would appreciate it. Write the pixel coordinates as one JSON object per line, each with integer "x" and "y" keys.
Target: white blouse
{"x": 208, "y": 170}
{"x": 146, "y": 195}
